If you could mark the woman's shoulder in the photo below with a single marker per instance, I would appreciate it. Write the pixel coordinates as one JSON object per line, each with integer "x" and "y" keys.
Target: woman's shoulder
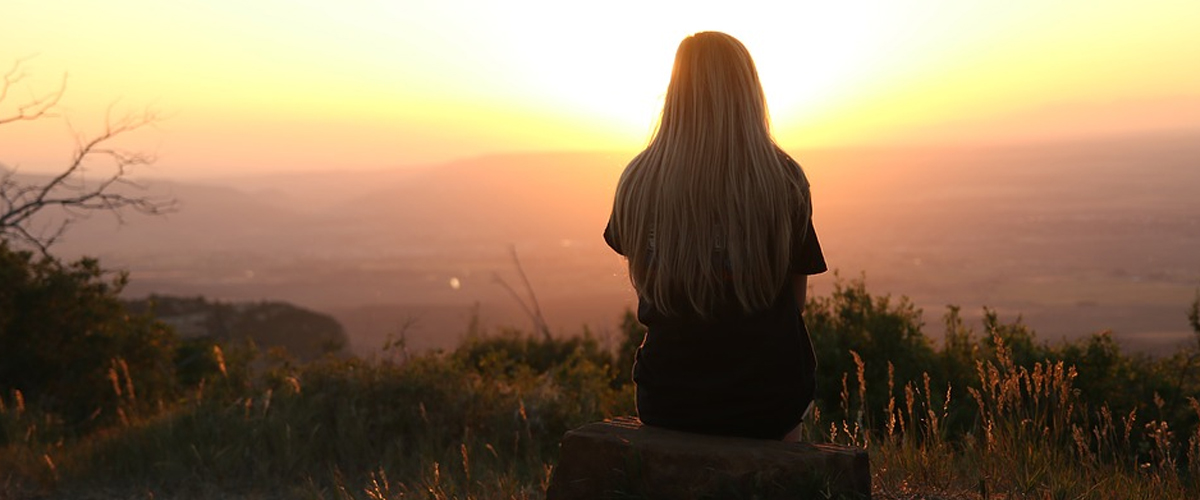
{"x": 793, "y": 169}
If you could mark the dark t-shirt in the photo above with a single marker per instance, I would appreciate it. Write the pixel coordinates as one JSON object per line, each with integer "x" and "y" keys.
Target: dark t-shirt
{"x": 738, "y": 374}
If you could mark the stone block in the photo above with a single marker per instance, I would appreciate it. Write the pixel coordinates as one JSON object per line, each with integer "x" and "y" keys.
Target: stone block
{"x": 622, "y": 458}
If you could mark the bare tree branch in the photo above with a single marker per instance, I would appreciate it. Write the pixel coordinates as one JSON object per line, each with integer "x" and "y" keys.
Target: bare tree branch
{"x": 532, "y": 309}
{"x": 37, "y": 106}
{"x": 72, "y": 190}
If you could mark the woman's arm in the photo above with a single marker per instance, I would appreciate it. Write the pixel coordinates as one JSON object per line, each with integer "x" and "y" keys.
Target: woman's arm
{"x": 800, "y": 286}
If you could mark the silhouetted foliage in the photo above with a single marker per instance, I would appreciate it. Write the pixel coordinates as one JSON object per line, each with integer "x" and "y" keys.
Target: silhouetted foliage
{"x": 305, "y": 334}
{"x": 886, "y": 334}
{"x": 490, "y": 411}
{"x": 878, "y": 329}
{"x": 511, "y": 351}
{"x": 70, "y": 347}
{"x": 35, "y": 211}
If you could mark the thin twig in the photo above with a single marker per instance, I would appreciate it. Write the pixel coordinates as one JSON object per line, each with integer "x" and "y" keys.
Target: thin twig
{"x": 21, "y": 200}
{"x": 532, "y": 309}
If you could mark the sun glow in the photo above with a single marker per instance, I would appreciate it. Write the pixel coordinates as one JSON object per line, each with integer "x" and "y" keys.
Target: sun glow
{"x": 616, "y": 65}
{"x": 374, "y": 83}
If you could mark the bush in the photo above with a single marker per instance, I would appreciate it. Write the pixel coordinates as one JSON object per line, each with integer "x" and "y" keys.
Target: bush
{"x": 851, "y": 326}
{"x": 70, "y": 347}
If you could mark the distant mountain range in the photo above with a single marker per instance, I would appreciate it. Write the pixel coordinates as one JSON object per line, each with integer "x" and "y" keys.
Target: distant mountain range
{"x": 1076, "y": 237}
{"x": 478, "y": 201}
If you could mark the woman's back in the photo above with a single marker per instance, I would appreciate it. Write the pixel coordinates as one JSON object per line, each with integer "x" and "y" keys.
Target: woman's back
{"x": 715, "y": 221}
{"x": 711, "y": 179}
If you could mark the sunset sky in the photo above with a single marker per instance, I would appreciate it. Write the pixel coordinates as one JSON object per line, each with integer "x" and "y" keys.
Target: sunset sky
{"x": 257, "y": 85}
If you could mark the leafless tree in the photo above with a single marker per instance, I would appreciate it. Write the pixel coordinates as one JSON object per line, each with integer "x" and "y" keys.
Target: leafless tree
{"x": 96, "y": 178}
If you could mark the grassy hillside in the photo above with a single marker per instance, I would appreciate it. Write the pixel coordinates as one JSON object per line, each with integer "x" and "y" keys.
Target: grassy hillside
{"x": 989, "y": 413}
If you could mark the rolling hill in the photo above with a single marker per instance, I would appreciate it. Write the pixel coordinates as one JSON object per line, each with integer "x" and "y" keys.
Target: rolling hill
{"x": 1076, "y": 237}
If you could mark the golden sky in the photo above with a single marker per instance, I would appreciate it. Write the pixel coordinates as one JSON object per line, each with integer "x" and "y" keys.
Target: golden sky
{"x": 256, "y": 85}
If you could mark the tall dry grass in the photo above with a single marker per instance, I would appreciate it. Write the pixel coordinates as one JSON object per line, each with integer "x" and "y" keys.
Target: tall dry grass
{"x": 483, "y": 422}
{"x": 1034, "y": 437}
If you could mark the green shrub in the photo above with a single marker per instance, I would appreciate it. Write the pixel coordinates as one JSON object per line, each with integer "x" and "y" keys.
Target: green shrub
{"x": 994, "y": 413}
{"x": 68, "y": 344}
{"x": 851, "y": 326}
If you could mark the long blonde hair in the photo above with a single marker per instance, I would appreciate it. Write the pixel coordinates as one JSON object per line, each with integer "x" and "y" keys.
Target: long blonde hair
{"x": 712, "y": 205}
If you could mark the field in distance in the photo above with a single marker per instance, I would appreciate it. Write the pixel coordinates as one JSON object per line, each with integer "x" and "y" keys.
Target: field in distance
{"x": 1075, "y": 237}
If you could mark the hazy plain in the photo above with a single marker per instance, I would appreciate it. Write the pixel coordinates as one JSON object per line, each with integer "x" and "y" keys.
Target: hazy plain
{"x": 1074, "y": 237}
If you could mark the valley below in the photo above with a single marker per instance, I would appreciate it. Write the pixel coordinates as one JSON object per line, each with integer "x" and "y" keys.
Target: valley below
{"x": 1075, "y": 238}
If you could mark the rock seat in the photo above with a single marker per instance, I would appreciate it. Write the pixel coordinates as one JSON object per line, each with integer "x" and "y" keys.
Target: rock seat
{"x": 622, "y": 458}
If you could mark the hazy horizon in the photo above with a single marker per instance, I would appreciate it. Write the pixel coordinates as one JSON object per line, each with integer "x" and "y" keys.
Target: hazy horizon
{"x": 1075, "y": 237}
